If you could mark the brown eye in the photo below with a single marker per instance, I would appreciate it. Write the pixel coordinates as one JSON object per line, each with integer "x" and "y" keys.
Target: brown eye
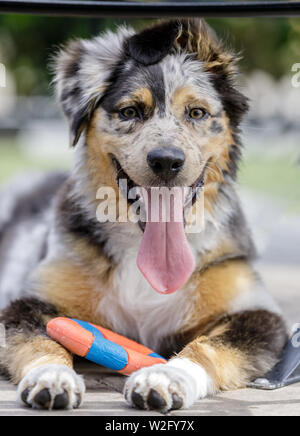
{"x": 129, "y": 113}
{"x": 197, "y": 113}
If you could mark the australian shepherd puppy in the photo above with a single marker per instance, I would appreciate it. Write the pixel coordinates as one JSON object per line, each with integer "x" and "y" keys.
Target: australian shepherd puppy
{"x": 158, "y": 109}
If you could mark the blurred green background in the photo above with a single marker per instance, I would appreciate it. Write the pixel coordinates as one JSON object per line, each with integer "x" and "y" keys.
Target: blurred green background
{"x": 27, "y": 42}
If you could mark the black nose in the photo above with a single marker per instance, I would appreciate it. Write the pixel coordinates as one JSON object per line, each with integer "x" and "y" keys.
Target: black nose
{"x": 166, "y": 162}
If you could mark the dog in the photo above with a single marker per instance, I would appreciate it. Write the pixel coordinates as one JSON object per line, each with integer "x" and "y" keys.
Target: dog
{"x": 160, "y": 109}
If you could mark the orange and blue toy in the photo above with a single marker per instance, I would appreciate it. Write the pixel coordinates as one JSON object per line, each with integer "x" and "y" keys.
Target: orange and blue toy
{"x": 102, "y": 346}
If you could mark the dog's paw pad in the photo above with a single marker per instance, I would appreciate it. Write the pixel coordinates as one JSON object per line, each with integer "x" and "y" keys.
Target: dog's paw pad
{"x": 43, "y": 399}
{"x": 157, "y": 388}
{"x": 138, "y": 400}
{"x": 24, "y": 396}
{"x": 156, "y": 401}
{"x": 51, "y": 387}
{"x": 177, "y": 402}
{"x": 61, "y": 401}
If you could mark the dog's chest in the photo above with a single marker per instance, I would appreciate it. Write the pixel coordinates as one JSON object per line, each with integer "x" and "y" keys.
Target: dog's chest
{"x": 135, "y": 310}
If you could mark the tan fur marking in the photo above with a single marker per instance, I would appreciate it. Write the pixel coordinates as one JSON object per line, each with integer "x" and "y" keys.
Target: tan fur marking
{"x": 228, "y": 367}
{"x": 216, "y": 153}
{"x": 99, "y": 164}
{"x": 216, "y": 287}
{"x": 140, "y": 95}
{"x": 197, "y": 37}
{"x": 144, "y": 95}
{"x": 226, "y": 248}
{"x": 75, "y": 291}
{"x": 23, "y": 354}
{"x": 187, "y": 96}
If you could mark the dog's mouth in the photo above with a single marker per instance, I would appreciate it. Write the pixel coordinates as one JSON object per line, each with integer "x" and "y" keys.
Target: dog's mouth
{"x": 165, "y": 257}
{"x": 121, "y": 175}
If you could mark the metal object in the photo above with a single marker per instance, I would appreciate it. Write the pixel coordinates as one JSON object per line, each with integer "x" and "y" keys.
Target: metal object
{"x": 287, "y": 371}
{"x": 134, "y": 9}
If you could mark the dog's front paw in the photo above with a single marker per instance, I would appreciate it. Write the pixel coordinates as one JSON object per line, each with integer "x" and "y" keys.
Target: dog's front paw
{"x": 51, "y": 387}
{"x": 175, "y": 385}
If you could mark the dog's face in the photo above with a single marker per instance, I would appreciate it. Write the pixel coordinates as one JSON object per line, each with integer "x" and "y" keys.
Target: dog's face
{"x": 163, "y": 123}
{"x": 153, "y": 105}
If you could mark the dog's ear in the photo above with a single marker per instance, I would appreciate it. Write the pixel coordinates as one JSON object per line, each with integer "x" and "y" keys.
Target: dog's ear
{"x": 82, "y": 72}
{"x": 151, "y": 45}
{"x": 196, "y": 37}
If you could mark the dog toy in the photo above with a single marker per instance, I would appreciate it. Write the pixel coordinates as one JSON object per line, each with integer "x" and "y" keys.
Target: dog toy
{"x": 102, "y": 346}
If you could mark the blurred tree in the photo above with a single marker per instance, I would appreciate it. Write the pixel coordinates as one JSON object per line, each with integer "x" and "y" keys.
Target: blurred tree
{"x": 268, "y": 44}
{"x": 27, "y": 42}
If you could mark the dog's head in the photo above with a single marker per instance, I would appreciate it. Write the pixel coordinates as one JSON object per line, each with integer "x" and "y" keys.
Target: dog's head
{"x": 158, "y": 107}
{"x": 162, "y": 102}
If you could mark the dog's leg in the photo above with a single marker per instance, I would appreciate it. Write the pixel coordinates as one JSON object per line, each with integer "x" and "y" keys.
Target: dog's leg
{"x": 226, "y": 355}
{"x": 239, "y": 349}
{"x": 42, "y": 368}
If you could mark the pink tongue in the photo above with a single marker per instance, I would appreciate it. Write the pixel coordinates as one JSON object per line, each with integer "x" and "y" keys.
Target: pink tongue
{"x": 165, "y": 258}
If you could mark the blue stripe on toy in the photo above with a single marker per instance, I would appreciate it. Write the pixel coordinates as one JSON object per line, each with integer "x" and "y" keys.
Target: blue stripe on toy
{"x": 104, "y": 352}
{"x": 89, "y": 327}
{"x": 156, "y": 355}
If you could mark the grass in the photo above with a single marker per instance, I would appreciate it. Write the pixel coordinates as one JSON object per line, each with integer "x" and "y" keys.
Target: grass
{"x": 277, "y": 177}
{"x": 14, "y": 161}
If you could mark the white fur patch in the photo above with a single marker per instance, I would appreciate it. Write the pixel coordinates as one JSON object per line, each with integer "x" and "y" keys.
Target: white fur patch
{"x": 23, "y": 241}
{"x": 178, "y": 71}
{"x": 136, "y": 310}
{"x": 20, "y": 253}
{"x": 179, "y": 376}
{"x": 253, "y": 299}
{"x": 202, "y": 381}
{"x": 55, "y": 378}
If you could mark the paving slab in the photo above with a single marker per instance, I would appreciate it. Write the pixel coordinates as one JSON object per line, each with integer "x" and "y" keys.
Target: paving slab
{"x": 106, "y": 401}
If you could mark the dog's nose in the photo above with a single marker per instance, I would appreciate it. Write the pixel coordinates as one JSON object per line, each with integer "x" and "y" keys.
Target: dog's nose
{"x": 166, "y": 161}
